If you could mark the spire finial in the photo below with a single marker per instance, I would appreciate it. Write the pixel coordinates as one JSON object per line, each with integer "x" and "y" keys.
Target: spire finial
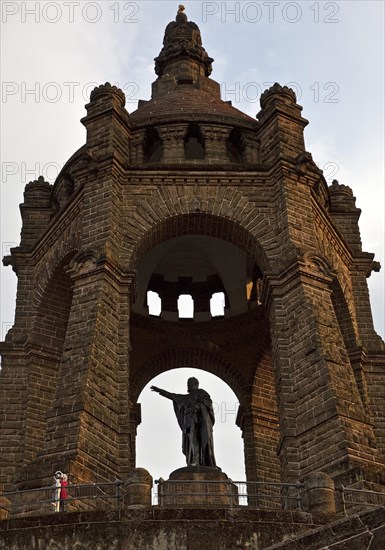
{"x": 181, "y": 17}
{"x": 182, "y": 48}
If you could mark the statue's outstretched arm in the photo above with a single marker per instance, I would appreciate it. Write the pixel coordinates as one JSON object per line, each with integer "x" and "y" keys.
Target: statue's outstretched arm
{"x": 163, "y": 393}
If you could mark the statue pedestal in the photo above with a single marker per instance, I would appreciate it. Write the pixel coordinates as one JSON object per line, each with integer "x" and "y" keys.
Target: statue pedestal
{"x": 197, "y": 486}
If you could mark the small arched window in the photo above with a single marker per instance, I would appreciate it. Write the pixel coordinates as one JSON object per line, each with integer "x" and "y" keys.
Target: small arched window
{"x": 194, "y": 143}
{"x": 217, "y": 304}
{"x": 154, "y": 303}
{"x": 153, "y": 147}
{"x": 235, "y": 146}
{"x": 185, "y": 306}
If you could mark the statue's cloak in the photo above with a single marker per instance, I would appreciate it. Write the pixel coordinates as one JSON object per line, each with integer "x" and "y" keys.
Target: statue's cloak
{"x": 188, "y": 408}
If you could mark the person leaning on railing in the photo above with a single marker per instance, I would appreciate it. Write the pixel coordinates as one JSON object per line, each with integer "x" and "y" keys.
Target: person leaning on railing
{"x": 63, "y": 491}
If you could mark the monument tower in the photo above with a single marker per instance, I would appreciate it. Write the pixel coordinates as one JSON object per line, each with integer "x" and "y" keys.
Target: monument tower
{"x": 189, "y": 196}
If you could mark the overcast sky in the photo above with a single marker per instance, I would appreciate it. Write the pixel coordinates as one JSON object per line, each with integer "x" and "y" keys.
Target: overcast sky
{"x": 332, "y": 53}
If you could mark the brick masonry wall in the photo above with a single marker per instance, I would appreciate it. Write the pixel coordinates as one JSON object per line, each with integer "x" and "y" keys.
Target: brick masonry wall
{"x": 290, "y": 362}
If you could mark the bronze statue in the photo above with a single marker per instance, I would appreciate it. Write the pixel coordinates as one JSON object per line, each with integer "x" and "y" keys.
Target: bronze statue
{"x": 195, "y": 415}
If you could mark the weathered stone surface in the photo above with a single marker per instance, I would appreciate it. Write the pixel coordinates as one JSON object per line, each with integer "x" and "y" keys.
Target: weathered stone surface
{"x": 156, "y": 529}
{"x": 364, "y": 531}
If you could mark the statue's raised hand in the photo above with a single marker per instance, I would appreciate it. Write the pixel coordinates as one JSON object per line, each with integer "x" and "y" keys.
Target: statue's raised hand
{"x": 154, "y": 388}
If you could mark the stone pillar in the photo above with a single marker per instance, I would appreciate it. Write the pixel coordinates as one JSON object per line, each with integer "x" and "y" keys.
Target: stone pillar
{"x": 252, "y": 145}
{"x": 260, "y": 435}
{"x": 87, "y": 426}
{"x": 107, "y": 123}
{"x": 281, "y": 125}
{"x": 361, "y": 268}
{"x": 135, "y": 420}
{"x": 30, "y": 362}
{"x": 137, "y": 489}
{"x": 323, "y": 423}
{"x": 169, "y": 293}
{"x": 36, "y": 210}
{"x": 12, "y": 409}
{"x": 320, "y": 493}
{"x": 345, "y": 214}
{"x": 215, "y": 143}
{"x": 173, "y": 142}
{"x": 137, "y": 147}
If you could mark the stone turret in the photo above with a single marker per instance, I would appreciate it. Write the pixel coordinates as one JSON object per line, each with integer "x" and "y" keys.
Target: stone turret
{"x": 183, "y": 59}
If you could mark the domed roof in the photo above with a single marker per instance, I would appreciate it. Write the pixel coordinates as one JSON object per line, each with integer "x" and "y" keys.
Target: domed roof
{"x": 183, "y": 90}
{"x": 188, "y": 103}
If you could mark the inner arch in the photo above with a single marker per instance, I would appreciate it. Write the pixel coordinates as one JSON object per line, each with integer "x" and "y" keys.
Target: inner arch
{"x": 195, "y": 265}
{"x": 159, "y": 436}
{"x": 200, "y": 224}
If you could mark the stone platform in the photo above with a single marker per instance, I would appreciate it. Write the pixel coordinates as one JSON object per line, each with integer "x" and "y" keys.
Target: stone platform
{"x": 157, "y": 528}
{"x": 197, "y": 486}
{"x": 201, "y": 529}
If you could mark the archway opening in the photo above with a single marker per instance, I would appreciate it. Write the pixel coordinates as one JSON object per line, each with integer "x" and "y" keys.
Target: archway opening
{"x": 195, "y": 277}
{"x": 154, "y": 303}
{"x": 159, "y": 438}
{"x": 152, "y": 147}
{"x": 217, "y": 304}
{"x": 49, "y": 333}
{"x": 186, "y": 306}
{"x": 234, "y": 146}
{"x": 194, "y": 148}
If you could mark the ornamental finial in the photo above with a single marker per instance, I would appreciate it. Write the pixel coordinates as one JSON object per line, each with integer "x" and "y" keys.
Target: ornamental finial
{"x": 181, "y": 17}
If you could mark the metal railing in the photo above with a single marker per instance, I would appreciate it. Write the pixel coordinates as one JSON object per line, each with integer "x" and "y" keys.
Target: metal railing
{"x": 228, "y": 493}
{"x": 183, "y": 494}
{"x": 86, "y": 497}
{"x": 359, "y": 500}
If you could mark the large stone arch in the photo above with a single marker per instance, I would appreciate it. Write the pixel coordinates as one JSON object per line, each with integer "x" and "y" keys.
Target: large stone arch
{"x": 50, "y": 258}
{"x": 53, "y": 301}
{"x": 206, "y": 345}
{"x": 210, "y": 361}
{"x": 229, "y": 216}
{"x": 45, "y": 345}
{"x": 259, "y": 421}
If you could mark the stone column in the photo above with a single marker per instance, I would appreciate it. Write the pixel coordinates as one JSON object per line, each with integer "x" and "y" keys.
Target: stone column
{"x": 346, "y": 215}
{"x": 260, "y": 435}
{"x": 135, "y": 420}
{"x": 88, "y": 427}
{"x": 36, "y": 210}
{"x": 173, "y": 142}
{"x": 281, "y": 125}
{"x": 323, "y": 423}
{"x": 320, "y": 492}
{"x": 215, "y": 143}
{"x": 107, "y": 124}
{"x": 252, "y": 146}
{"x": 137, "y": 489}
{"x": 137, "y": 147}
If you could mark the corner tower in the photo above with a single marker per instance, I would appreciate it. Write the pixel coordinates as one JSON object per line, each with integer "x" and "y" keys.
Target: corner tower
{"x": 188, "y": 195}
